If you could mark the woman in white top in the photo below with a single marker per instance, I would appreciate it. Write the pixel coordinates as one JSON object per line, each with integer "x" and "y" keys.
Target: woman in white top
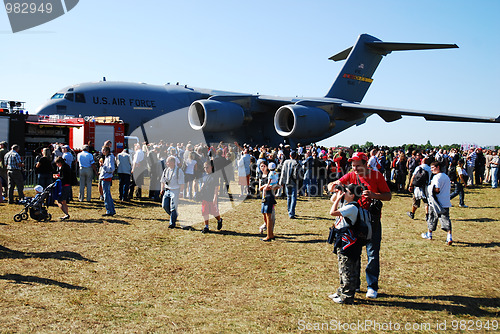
{"x": 191, "y": 166}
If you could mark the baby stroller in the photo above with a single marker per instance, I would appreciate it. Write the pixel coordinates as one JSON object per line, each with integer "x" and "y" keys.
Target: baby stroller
{"x": 36, "y": 207}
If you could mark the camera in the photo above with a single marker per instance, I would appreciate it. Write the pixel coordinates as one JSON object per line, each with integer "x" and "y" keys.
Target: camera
{"x": 340, "y": 187}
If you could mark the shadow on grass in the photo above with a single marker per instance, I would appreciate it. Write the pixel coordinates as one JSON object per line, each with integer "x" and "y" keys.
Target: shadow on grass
{"x": 145, "y": 202}
{"x": 225, "y": 232}
{"x": 7, "y": 253}
{"x": 476, "y": 244}
{"x": 100, "y": 221}
{"x": 404, "y": 194}
{"x": 302, "y": 217}
{"x": 252, "y": 235}
{"x": 311, "y": 241}
{"x": 483, "y": 207}
{"x": 21, "y": 279}
{"x": 457, "y": 305}
{"x": 481, "y": 220}
{"x": 95, "y": 204}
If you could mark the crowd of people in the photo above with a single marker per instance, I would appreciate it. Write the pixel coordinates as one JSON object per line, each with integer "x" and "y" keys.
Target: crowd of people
{"x": 202, "y": 173}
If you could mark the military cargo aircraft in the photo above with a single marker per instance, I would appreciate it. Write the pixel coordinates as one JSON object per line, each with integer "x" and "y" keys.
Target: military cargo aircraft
{"x": 183, "y": 113}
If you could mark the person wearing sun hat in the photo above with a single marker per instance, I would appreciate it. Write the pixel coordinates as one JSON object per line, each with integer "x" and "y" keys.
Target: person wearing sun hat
{"x": 376, "y": 190}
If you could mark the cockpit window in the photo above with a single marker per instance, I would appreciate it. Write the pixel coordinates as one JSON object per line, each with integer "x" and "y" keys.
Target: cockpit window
{"x": 57, "y": 96}
{"x": 69, "y": 96}
{"x": 79, "y": 97}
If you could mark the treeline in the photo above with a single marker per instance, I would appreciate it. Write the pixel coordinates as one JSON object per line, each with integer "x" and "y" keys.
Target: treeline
{"x": 408, "y": 147}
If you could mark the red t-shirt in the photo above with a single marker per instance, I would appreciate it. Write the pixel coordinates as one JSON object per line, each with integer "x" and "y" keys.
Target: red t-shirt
{"x": 374, "y": 181}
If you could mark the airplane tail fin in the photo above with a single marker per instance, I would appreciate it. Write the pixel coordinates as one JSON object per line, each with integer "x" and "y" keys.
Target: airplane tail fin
{"x": 362, "y": 60}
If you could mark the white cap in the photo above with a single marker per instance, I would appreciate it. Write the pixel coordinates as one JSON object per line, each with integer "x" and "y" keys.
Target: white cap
{"x": 39, "y": 189}
{"x": 272, "y": 166}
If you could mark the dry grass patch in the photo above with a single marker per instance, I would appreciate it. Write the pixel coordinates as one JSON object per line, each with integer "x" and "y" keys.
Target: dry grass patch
{"x": 130, "y": 273}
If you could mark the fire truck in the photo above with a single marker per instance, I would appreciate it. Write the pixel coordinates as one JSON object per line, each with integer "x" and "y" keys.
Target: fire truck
{"x": 12, "y": 122}
{"x": 74, "y": 131}
{"x": 33, "y": 132}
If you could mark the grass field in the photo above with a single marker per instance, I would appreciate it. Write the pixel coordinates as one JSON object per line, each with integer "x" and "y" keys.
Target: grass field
{"x": 131, "y": 274}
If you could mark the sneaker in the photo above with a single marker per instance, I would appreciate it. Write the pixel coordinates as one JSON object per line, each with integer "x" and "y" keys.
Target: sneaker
{"x": 65, "y": 217}
{"x": 205, "y": 230}
{"x": 449, "y": 241}
{"x": 171, "y": 226}
{"x": 334, "y": 295}
{"x": 426, "y": 236}
{"x": 219, "y": 224}
{"x": 370, "y": 293}
{"x": 337, "y": 299}
{"x": 411, "y": 215}
{"x": 463, "y": 206}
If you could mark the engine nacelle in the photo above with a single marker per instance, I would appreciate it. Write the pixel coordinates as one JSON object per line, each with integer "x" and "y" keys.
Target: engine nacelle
{"x": 215, "y": 116}
{"x": 299, "y": 121}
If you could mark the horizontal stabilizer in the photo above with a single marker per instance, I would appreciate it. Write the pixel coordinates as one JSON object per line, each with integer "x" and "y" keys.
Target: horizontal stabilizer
{"x": 390, "y": 46}
{"x": 341, "y": 55}
{"x": 387, "y": 47}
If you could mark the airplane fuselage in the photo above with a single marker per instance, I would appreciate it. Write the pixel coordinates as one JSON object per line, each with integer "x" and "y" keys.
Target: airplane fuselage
{"x": 157, "y": 112}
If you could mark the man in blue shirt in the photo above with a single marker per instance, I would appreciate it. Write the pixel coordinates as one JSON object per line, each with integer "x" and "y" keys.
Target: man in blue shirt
{"x": 87, "y": 170}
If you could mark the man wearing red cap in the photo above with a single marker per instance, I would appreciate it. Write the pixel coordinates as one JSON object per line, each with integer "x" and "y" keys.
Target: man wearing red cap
{"x": 376, "y": 190}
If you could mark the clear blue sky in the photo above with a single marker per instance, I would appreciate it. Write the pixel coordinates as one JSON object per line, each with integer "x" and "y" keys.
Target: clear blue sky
{"x": 274, "y": 48}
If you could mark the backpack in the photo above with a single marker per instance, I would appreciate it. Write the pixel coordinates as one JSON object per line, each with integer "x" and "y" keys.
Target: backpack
{"x": 421, "y": 178}
{"x": 362, "y": 227}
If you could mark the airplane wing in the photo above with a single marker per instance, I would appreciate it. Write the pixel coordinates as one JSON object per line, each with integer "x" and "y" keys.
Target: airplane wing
{"x": 388, "y": 114}
{"x": 393, "y": 114}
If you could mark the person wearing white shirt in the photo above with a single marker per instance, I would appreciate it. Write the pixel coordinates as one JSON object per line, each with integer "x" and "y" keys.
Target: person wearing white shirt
{"x": 67, "y": 156}
{"x": 138, "y": 169}
{"x": 172, "y": 184}
{"x": 373, "y": 162}
{"x": 439, "y": 203}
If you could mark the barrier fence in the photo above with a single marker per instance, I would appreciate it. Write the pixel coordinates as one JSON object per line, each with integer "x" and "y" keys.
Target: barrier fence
{"x": 29, "y": 171}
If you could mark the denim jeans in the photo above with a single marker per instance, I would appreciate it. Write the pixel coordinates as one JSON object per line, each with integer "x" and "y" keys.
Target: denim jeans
{"x": 494, "y": 177}
{"x": 291, "y": 199}
{"x": 372, "y": 252}
{"x": 169, "y": 204}
{"x": 459, "y": 190}
{"x": 108, "y": 200}
{"x": 124, "y": 185}
{"x": 310, "y": 184}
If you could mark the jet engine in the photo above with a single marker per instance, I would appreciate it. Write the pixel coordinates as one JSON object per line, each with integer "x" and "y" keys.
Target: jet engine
{"x": 298, "y": 121}
{"x": 215, "y": 116}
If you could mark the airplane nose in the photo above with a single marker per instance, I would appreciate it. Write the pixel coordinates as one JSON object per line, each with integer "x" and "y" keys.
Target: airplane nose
{"x": 51, "y": 108}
